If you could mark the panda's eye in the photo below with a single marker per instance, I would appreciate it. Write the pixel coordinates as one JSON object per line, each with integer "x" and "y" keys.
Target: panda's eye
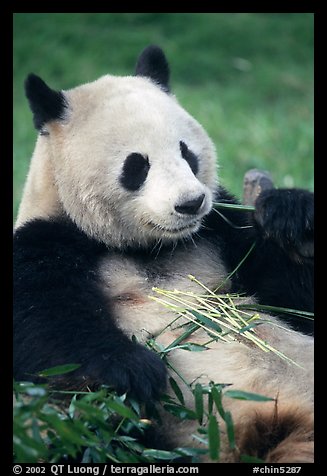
{"x": 135, "y": 171}
{"x": 190, "y": 157}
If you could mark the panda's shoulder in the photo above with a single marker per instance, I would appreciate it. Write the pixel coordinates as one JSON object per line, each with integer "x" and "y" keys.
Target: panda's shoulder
{"x": 53, "y": 236}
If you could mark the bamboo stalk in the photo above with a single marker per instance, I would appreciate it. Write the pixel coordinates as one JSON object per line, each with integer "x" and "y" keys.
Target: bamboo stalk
{"x": 219, "y": 309}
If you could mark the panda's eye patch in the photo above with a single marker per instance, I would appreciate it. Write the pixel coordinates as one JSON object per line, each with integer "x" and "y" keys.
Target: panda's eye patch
{"x": 135, "y": 171}
{"x": 190, "y": 157}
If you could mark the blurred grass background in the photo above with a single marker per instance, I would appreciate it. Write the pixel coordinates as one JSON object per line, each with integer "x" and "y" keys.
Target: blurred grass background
{"x": 247, "y": 77}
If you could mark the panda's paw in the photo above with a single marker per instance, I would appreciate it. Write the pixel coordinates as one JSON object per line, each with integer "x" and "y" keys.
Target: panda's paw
{"x": 286, "y": 216}
{"x": 137, "y": 371}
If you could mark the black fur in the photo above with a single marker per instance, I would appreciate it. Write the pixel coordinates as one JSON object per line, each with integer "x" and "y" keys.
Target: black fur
{"x": 190, "y": 157}
{"x": 135, "y": 171}
{"x": 45, "y": 103}
{"x": 60, "y": 316}
{"x": 152, "y": 63}
{"x": 276, "y": 271}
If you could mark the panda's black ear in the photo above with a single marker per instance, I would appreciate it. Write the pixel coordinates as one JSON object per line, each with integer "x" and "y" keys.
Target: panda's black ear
{"x": 45, "y": 103}
{"x": 153, "y": 64}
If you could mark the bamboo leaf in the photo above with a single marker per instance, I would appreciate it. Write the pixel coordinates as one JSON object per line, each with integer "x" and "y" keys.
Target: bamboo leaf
{"x": 206, "y": 321}
{"x": 136, "y": 407}
{"x": 230, "y": 430}
{"x": 217, "y": 398}
{"x": 180, "y": 411}
{"x": 188, "y": 346}
{"x": 191, "y": 346}
{"x": 214, "y": 438}
{"x": 210, "y": 403}
{"x": 178, "y": 392}
{"x": 58, "y": 370}
{"x": 285, "y": 310}
{"x": 183, "y": 336}
{"x": 71, "y": 408}
{"x": 249, "y": 327}
{"x": 203, "y": 441}
{"x": 241, "y": 395}
{"x": 198, "y": 396}
{"x": 185, "y": 451}
{"x": 118, "y": 407}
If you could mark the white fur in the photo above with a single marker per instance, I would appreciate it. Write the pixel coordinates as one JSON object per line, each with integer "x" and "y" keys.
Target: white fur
{"x": 128, "y": 286}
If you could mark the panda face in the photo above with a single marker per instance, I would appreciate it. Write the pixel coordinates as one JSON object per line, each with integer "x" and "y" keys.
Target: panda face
{"x": 132, "y": 167}
{"x": 121, "y": 158}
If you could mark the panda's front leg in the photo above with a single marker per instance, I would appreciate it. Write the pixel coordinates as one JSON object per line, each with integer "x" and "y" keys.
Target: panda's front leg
{"x": 280, "y": 270}
{"x": 286, "y": 216}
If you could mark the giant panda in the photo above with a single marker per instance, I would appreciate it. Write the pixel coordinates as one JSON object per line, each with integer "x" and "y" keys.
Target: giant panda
{"x": 119, "y": 200}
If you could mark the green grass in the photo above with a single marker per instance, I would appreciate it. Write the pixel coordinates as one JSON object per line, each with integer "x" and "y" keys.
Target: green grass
{"x": 247, "y": 77}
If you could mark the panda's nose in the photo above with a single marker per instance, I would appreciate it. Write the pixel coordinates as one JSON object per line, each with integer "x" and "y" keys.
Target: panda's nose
{"x": 191, "y": 207}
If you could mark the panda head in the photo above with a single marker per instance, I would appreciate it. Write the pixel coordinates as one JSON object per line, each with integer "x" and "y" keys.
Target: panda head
{"x": 130, "y": 166}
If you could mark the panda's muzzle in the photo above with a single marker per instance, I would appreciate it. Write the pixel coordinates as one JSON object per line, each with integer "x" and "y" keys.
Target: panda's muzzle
{"x": 184, "y": 219}
{"x": 190, "y": 207}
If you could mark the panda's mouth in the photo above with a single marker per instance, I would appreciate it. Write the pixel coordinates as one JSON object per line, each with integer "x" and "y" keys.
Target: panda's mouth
{"x": 182, "y": 228}
{"x": 175, "y": 230}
